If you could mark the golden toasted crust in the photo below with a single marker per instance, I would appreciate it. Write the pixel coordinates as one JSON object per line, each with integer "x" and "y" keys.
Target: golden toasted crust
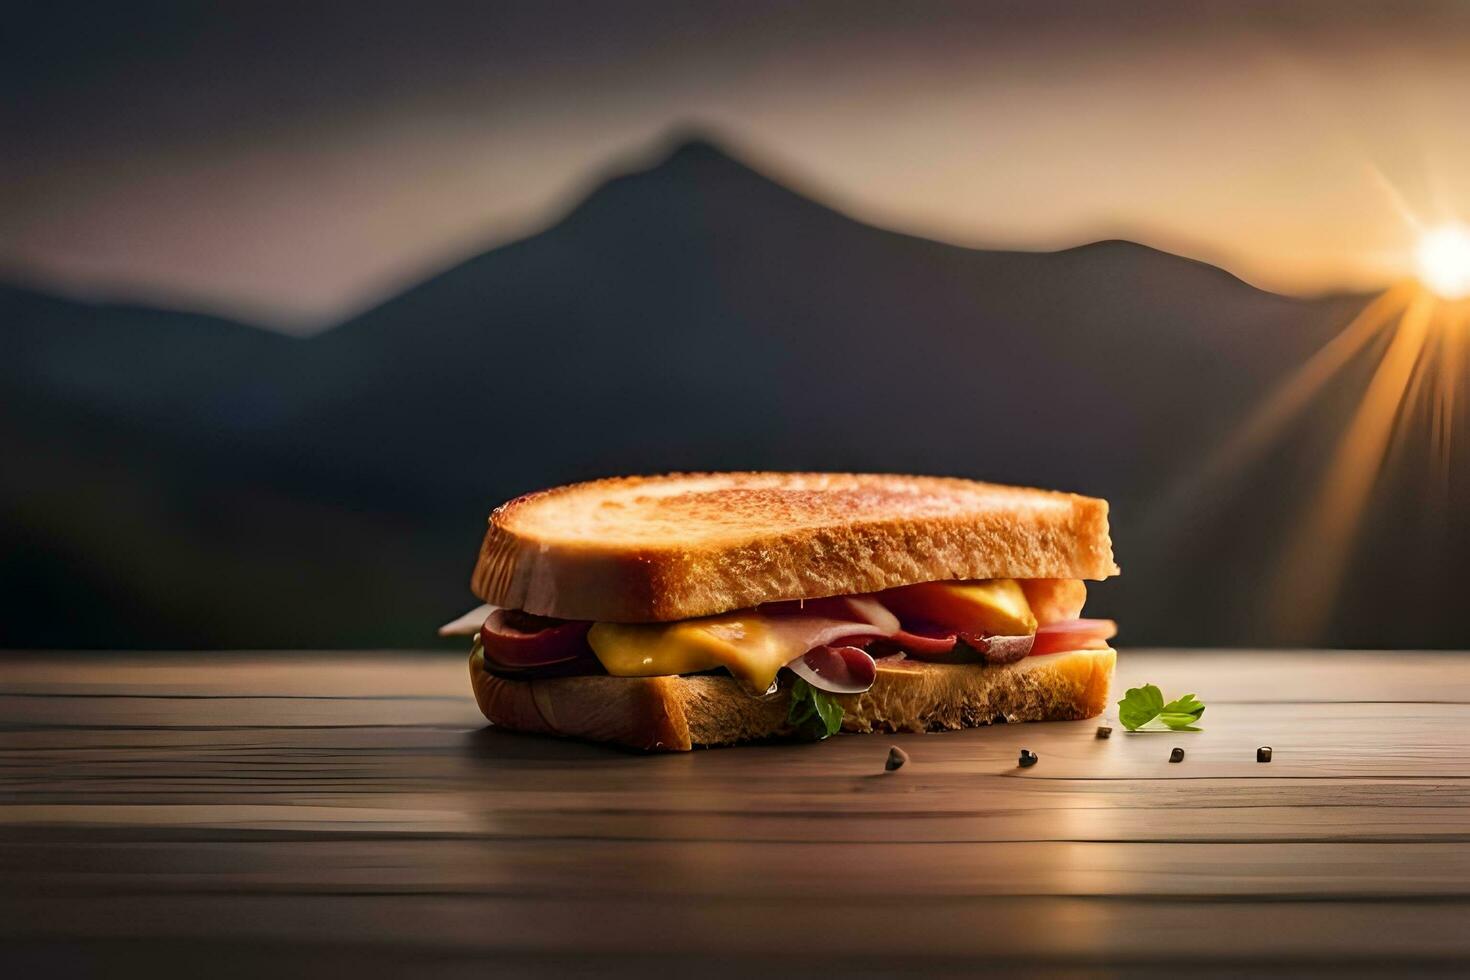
{"x": 650, "y": 549}
{"x": 673, "y": 714}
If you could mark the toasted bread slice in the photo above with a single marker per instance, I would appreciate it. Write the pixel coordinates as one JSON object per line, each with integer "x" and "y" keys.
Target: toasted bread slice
{"x": 672, "y": 714}
{"x": 651, "y": 549}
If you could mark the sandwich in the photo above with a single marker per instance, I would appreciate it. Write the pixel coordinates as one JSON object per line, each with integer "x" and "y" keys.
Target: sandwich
{"x": 668, "y": 612}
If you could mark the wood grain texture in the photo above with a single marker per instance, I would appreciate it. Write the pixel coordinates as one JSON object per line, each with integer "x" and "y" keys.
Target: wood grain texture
{"x": 288, "y": 814}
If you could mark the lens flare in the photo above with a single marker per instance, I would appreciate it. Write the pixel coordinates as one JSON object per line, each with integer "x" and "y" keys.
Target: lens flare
{"x": 1443, "y": 261}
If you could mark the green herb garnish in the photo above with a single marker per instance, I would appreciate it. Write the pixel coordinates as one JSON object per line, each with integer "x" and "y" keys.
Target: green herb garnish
{"x": 814, "y": 713}
{"x": 1145, "y": 704}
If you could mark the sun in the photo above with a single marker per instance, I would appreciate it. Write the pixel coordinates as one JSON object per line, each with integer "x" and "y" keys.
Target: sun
{"x": 1443, "y": 261}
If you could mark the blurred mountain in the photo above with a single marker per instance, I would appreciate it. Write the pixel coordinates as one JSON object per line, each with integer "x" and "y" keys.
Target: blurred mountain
{"x": 179, "y": 480}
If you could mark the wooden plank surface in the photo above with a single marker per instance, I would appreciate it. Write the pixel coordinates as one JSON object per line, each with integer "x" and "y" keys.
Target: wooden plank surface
{"x": 249, "y": 813}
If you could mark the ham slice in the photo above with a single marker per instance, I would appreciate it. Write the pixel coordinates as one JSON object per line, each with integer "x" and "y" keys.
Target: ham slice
{"x": 836, "y": 669}
{"x": 1074, "y": 634}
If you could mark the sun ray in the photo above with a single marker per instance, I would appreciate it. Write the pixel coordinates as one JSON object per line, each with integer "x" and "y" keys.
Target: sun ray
{"x": 1418, "y": 389}
{"x": 1286, "y": 403}
{"x": 1452, "y": 368}
{"x": 1298, "y": 391}
{"x": 1395, "y": 197}
{"x": 1316, "y": 556}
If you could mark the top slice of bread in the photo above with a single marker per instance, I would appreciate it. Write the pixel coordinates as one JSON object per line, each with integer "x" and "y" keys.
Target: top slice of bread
{"x": 659, "y": 548}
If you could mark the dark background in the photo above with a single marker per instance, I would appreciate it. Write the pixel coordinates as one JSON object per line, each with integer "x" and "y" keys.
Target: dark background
{"x": 181, "y": 479}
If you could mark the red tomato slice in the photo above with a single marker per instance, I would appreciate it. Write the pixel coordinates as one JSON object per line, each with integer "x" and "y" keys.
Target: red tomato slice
{"x": 518, "y": 641}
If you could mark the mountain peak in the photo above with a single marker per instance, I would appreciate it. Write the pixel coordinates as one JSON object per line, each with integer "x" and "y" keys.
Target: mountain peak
{"x": 692, "y": 174}
{"x": 695, "y": 149}
{"x": 693, "y": 154}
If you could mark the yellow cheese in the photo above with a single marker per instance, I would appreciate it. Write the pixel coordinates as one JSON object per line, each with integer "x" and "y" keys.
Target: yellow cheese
{"x": 998, "y": 605}
{"x": 994, "y": 606}
{"x": 743, "y": 643}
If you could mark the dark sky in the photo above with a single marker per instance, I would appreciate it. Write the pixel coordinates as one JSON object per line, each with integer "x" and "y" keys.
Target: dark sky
{"x": 292, "y": 162}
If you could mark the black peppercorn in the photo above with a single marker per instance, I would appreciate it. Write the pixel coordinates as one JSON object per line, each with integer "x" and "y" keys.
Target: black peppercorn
{"x": 1177, "y": 755}
{"x": 1263, "y": 754}
{"x": 1028, "y": 758}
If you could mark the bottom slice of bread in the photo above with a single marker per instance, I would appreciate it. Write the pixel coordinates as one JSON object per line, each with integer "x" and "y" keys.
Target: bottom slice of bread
{"x": 672, "y": 714}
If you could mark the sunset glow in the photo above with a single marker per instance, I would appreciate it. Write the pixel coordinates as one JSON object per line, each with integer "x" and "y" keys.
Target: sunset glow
{"x": 981, "y": 125}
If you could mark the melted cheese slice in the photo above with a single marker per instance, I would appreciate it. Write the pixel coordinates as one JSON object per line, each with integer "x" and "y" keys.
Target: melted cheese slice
{"x": 754, "y": 645}
{"x": 751, "y": 645}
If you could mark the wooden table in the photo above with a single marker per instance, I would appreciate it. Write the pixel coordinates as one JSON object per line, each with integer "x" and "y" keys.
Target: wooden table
{"x": 233, "y": 815}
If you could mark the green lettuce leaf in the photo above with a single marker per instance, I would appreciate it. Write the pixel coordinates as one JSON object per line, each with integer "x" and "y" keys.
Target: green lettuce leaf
{"x": 814, "y": 713}
{"x": 1145, "y": 704}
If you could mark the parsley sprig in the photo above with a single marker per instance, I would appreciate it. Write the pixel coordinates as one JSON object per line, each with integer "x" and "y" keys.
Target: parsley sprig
{"x": 1145, "y": 704}
{"x": 814, "y": 713}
